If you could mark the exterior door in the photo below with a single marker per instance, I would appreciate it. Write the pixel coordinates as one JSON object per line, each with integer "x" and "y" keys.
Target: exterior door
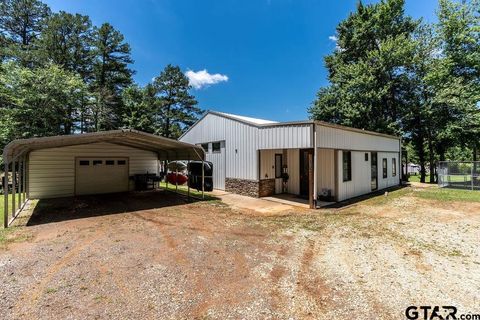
{"x": 304, "y": 172}
{"x": 217, "y": 156}
{"x": 374, "y": 169}
{"x": 101, "y": 175}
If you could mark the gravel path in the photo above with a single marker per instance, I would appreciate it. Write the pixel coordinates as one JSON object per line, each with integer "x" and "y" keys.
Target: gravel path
{"x": 151, "y": 257}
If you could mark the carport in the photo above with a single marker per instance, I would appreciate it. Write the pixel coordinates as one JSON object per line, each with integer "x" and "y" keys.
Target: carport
{"x": 49, "y": 167}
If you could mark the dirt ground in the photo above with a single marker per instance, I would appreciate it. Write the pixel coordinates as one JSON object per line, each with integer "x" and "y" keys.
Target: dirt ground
{"x": 154, "y": 256}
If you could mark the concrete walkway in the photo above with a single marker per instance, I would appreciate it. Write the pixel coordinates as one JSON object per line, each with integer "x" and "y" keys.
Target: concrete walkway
{"x": 260, "y": 205}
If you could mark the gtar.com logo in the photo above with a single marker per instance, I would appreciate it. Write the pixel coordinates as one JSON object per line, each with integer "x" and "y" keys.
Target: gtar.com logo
{"x": 431, "y": 313}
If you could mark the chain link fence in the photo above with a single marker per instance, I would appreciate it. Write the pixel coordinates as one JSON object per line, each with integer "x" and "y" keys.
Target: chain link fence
{"x": 459, "y": 174}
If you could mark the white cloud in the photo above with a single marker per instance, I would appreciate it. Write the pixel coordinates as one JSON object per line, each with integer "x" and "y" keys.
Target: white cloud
{"x": 333, "y": 38}
{"x": 202, "y": 78}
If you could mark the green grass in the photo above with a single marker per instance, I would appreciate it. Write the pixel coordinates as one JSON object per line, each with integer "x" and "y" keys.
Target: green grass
{"x": 184, "y": 190}
{"x": 444, "y": 194}
{"x": 2, "y": 206}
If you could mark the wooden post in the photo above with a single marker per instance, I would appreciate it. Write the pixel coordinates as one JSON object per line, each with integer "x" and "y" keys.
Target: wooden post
{"x": 203, "y": 179}
{"x": 315, "y": 169}
{"x": 310, "y": 180}
{"x": 14, "y": 186}
{"x": 5, "y": 195}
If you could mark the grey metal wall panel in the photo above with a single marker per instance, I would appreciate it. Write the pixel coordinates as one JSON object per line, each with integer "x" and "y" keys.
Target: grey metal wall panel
{"x": 286, "y": 137}
{"x": 335, "y": 138}
{"x": 241, "y": 144}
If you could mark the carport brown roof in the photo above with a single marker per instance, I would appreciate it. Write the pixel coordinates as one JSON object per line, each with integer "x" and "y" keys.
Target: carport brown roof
{"x": 167, "y": 149}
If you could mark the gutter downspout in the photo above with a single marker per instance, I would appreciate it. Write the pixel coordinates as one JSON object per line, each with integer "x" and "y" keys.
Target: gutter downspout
{"x": 315, "y": 169}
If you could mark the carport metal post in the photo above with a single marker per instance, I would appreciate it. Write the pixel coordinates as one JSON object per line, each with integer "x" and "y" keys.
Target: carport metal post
{"x": 20, "y": 186}
{"x": 14, "y": 173}
{"x": 166, "y": 175}
{"x": 176, "y": 177}
{"x": 24, "y": 177}
{"x": 5, "y": 195}
{"x": 203, "y": 179}
{"x": 188, "y": 179}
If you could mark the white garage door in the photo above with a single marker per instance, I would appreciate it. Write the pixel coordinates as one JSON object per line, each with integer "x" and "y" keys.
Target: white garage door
{"x": 216, "y": 155}
{"x": 101, "y": 175}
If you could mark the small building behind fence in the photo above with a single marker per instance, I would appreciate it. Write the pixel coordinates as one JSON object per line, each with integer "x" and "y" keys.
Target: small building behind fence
{"x": 459, "y": 174}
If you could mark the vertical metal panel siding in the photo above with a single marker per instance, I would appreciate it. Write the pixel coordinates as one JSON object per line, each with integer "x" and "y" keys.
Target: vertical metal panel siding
{"x": 390, "y": 180}
{"x": 267, "y": 163}
{"x": 287, "y": 136}
{"x": 293, "y": 161}
{"x": 52, "y": 171}
{"x": 348, "y": 140}
{"x": 218, "y": 160}
{"x": 241, "y": 143}
{"x": 361, "y": 176}
{"x": 326, "y": 172}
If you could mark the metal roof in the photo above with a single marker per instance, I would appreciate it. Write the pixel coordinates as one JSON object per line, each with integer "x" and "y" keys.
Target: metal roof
{"x": 260, "y": 123}
{"x": 247, "y": 119}
{"x": 167, "y": 149}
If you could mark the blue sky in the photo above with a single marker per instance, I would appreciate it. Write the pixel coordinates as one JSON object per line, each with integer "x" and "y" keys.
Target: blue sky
{"x": 271, "y": 50}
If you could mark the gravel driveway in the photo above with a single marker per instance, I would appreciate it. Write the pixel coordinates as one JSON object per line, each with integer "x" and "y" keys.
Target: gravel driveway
{"x": 153, "y": 256}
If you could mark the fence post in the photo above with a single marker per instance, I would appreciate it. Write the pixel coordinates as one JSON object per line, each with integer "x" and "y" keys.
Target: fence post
{"x": 471, "y": 178}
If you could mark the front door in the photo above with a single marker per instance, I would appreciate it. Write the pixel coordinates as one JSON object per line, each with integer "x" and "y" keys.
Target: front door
{"x": 374, "y": 169}
{"x": 304, "y": 176}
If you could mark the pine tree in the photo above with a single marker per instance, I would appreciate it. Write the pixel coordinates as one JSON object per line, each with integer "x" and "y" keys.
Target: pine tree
{"x": 177, "y": 109}
{"x": 111, "y": 76}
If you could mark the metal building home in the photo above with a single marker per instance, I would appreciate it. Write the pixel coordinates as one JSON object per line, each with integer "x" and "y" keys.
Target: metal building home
{"x": 311, "y": 159}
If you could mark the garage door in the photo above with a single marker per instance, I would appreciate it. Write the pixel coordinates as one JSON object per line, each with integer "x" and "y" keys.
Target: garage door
{"x": 101, "y": 175}
{"x": 216, "y": 155}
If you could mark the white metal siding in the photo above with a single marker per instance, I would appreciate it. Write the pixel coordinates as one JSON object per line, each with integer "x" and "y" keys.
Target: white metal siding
{"x": 218, "y": 160}
{"x": 335, "y": 138}
{"x": 361, "y": 176}
{"x": 326, "y": 170}
{"x": 293, "y": 163}
{"x": 267, "y": 163}
{"x": 241, "y": 143}
{"x": 390, "y": 180}
{"x": 285, "y": 137}
{"x": 52, "y": 171}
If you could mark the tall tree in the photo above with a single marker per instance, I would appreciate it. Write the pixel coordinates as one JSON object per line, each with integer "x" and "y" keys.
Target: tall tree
{"x": 66, "y": 41}
{"x": 458, "y": 76}
{"x": 21, "y": 21}
{"x": 138, "y": 110}
{"x": 177, "y": 108}
{"x": 39, "y": 102}
{"x": 111, "y": 76}
{"x": 367, "y": 69}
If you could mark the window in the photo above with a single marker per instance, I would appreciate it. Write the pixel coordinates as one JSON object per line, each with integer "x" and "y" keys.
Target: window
{"x": 97, "y": 162}
{"x": 278, "y": 165}
{"x": 109, "y": 162}
{"x": 385, "y": 168}
{"x": 84, "y": 163}
{"x": 366, "y": 156}
{"x": 205, "y": 146}
{"x": 347, "y": 166}
{"x": 121, "y": 162}
{"x": 216, "y": 147}
{"x": 394, "y": 167}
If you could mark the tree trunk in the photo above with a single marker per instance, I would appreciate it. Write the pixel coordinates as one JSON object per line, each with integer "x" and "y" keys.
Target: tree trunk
{"x": 431, "y": 158}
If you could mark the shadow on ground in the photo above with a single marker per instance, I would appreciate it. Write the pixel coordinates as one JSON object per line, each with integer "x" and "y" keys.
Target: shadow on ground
{"x": 70, "y": 208}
